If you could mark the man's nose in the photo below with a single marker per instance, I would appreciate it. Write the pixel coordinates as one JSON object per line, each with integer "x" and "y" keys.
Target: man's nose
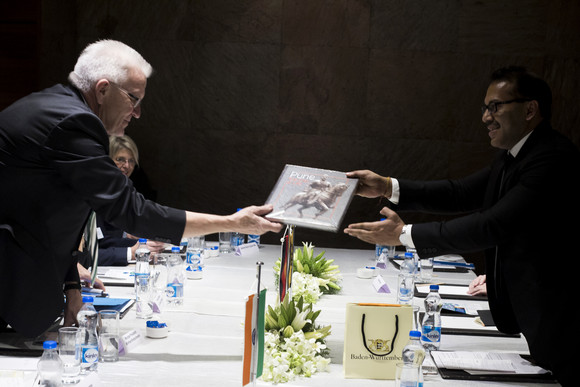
{"x": 486, "y": 116}
{"x": 136, "y": 112}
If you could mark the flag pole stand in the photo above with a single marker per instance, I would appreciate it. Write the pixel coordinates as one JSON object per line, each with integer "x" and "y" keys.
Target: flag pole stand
{"x": 286, "y": 264}
{"x": 254, "y": 369}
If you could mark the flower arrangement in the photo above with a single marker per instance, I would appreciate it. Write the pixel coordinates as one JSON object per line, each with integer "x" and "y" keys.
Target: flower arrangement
{"x": 312, "y": 275}
{"x": 294, "y": 345}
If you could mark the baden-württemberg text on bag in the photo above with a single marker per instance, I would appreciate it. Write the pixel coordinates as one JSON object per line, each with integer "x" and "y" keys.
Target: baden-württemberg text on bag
{"x": 374, "y": 338}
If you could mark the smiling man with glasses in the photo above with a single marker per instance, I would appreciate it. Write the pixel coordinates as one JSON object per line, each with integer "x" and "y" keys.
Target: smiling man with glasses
{"x": 522, "y": 211}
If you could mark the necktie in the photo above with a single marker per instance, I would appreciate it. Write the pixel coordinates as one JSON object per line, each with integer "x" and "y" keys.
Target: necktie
{"x": 507, "y": 160}
{"x": 91, "y": 243}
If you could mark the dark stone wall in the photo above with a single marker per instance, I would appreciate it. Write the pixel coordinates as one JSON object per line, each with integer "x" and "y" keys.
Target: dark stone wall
{"x": 242, "y": 87}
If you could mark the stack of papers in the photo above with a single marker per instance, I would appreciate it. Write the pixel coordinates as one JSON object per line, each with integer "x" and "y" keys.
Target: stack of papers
{"x": 485, "y": 362}
{"x": 449, "y": 291}
{"x": 116, "y": 277}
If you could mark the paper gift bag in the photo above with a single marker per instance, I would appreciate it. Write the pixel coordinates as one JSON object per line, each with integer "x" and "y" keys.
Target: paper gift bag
{"x": 374, "y": 338}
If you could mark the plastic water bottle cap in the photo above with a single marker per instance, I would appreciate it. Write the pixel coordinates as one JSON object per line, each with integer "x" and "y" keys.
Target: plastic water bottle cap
{"x": 175, "y": 249}
{"x": 410, "y": 255}
{"x": 142, "y": 240}
{"x": 434, "y": 287}
{"x": 414, "y": 334}
{"x": 88, "y": 299}
{"x": 49, "y": 344}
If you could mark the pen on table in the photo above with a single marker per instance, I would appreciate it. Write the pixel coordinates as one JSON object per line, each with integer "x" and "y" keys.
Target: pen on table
{"x": 98, "y": 292}
{"x": 457, "y": 264}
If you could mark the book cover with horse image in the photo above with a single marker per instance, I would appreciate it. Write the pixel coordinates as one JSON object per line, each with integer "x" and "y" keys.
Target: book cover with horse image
{"x": 311, "y": 197}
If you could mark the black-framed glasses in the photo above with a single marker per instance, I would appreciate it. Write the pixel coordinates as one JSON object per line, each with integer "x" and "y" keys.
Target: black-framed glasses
{"x": 122, "y": 161}
{"x": 493, "y": 105}
{"x": 135, "y": 101}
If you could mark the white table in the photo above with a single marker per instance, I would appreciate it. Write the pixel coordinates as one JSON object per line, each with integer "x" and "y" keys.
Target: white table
{"x": 204, "y": 347}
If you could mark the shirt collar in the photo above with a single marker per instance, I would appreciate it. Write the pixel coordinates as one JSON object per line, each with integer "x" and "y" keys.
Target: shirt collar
{"x": 516, "y": 148}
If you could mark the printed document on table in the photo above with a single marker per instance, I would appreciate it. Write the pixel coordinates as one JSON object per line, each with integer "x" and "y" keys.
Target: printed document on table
{"x": 462, "y": 322}
{"x": 485, "y": 362}
{"x": 453, "y": 290}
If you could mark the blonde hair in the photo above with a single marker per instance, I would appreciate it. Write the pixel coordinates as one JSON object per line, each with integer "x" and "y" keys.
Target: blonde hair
{"x": 107, "y": 59}
{"x": 117, "y": 143}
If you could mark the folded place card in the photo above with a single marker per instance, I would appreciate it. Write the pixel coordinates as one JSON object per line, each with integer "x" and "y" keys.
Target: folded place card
{"x": 380, "y": 285}
{"x": 247, "y": 249}
{"x": 129, "y": 341}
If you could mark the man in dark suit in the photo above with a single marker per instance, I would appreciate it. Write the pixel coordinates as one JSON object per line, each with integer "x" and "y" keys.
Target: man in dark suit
{"x": 523, "y": 211}
{"x": 55, "y": 168}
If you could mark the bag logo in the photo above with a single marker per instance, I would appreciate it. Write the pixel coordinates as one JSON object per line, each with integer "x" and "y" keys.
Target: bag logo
{"x": 379, "y": 347}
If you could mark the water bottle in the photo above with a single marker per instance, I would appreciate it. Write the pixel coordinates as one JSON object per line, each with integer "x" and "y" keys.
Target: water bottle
{"x": 406, "y": 280}
{"x": 175, "y": 278}
{"x": 196, "y": 248}
{"x": 414, "y": 353}
{"x": 409, "y": 263}
{"x": 238, "y": 238}
{"x": 382, "y": 252}
{"x": 254, "y": 239}
{"x": 412, "y": 253}
{"x": 194, "y": 258}
{"x": 143, "y": 306}
{"x": 50, "y": 366}
{"x": 431, "y": 326}
{"x": 87, "y": 318}
{"x": 142, "y": 256}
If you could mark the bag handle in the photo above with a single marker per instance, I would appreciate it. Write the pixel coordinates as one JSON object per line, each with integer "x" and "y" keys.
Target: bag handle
{"x": 362, "y": 328}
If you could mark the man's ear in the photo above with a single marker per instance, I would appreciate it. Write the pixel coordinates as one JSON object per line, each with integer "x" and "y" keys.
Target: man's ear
{"x": 533, "y": 110}
{"x": 102, "y": 87}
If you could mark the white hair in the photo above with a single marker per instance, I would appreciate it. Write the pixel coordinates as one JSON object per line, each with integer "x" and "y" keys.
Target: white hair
{"x": 108, "y": 59}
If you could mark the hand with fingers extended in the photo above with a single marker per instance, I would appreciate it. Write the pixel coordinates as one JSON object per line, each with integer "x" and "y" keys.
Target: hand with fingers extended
{"x": 384, "y": 232}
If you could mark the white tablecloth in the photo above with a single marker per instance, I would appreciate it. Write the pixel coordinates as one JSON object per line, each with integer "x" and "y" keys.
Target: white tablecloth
{"x": 204, "y": 347}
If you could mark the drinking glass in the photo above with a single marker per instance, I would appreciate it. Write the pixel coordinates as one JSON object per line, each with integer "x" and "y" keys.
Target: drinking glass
{"x": 426, "y": 269}
{"x": 69, "y": 340}
{"x": 225, "y": 242}
{"x": 109, "y": 335}
{"x": 416, "y": 318}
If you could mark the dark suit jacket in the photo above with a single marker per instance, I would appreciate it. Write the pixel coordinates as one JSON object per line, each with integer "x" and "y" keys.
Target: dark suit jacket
{"x": 532, "y": 226}
{"x": 55, "y": 168}
{"x": 113, "y": 246}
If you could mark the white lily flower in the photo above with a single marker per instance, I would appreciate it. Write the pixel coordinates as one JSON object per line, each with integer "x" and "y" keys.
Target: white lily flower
{"x": 300, "y": 320}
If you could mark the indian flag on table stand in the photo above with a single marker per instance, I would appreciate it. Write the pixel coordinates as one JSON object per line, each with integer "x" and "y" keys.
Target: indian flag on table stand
{"x": 253, "y": 360}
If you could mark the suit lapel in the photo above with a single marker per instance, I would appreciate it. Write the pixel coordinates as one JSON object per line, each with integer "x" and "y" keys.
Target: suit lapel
{"x": 494, "y": 181}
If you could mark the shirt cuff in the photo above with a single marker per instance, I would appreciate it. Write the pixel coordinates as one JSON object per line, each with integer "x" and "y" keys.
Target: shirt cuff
{"x": 395, "y": 191}
{"x": 129, "y": 255}
{"x": 406, "y": 238}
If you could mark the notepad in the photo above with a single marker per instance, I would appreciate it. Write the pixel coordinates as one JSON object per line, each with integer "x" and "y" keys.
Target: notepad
{"x": 121, "y": 305}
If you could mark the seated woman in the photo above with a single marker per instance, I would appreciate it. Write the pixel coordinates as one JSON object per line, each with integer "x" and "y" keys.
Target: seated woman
{"x": 116, "y": 248}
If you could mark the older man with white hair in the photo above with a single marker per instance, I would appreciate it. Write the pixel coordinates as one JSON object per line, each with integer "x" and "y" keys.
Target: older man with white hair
{"x": 55, "y": 169}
